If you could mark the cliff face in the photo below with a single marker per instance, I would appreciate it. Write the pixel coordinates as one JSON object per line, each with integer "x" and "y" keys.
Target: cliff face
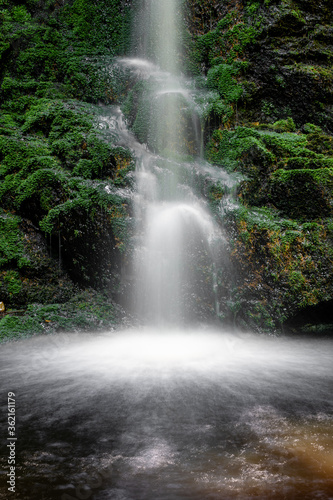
{"x": 271, "y": 63}
{"x": 63, "y": 235}
{"x": 280, "y": 52}
{"x": 63, "y": 219}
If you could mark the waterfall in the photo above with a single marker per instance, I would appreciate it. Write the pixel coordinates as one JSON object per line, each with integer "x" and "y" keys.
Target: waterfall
{"x": 156, "y": 33}
{"x": 164, "y": 412}
{"x": 173, "y": 261}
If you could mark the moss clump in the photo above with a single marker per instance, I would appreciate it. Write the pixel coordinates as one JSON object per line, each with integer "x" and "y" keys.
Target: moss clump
{"x": 287, "y": 125}
{"x": 290, "y": 171}
{"x": 222, "y": 78}
{"x": 232, "y": 148}
{"x": 227, "y": 41}
{"x": 12, "y": 250}
{"x": 18, "y": 326}
{"x": 86, "y": 310}
{"x": 13, "y": 282}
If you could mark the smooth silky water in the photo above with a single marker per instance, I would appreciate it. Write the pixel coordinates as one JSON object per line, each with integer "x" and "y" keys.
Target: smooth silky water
{"x": 172, "y": 414}
{"x": 175, "y": 409}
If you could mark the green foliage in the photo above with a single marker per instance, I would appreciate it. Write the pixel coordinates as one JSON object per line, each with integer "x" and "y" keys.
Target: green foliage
{"x": 65, "y": 53}
{"x": 309, "y": 128}
{"x": 11, "y": 241}
{"x": 16, "y": 326}
{"x": 104, "y": 24}
{"x": 268, "y": 108}
{"x": 86, "y": 310}
{"x": 13, "y": 282}
{"x": 285, "y": 169}
{"x": 57, "y": 169}
{"x": 227, "y": 42}
{"x": 287, "y": 125}
{"x": 285, "y": 263}
{"x": 226, "y": 147}
{"x": 221, "y": 78}
{"x": 252, "y": 8}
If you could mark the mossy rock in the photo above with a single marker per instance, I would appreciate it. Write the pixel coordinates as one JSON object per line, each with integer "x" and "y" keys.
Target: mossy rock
{"x": 303, "y": 194}
{"x": 85, "y": 310}
{"x": 27, "y": 271}
{"x": 241, "y": 147}
{"x": 280, "y": 266}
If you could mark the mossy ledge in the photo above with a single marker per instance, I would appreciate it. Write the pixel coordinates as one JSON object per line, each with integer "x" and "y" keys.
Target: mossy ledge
{"x": 281, "y": 231}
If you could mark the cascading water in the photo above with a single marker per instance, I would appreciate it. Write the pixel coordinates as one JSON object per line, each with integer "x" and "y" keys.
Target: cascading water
{"x": 175, "y": 231}
{"x": 156, "y": 33}
{"x": 160, "y": 412}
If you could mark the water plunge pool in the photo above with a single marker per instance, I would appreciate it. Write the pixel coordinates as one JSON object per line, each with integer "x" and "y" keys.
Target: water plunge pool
{"x": 146, "y": 414}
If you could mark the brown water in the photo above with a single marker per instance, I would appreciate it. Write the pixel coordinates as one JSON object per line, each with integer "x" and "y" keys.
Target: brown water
{"x": 144, "y": 415}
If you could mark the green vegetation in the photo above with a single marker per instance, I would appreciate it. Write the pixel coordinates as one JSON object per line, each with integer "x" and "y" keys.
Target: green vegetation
{"x": 280, "y": 235}
{"x": 227, "y": 42}
{"x": 221, "y": 78}
{"x": 59, "y": 173}
{"x": 286, "y": 263}
{"x": 291, "y": 171}
{"x": 86, "y": 310}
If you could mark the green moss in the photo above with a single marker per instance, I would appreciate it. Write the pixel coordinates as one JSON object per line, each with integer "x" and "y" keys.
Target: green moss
{"x": 221, "y": 78}
{"x": 11, "y": 241}
{"x": 86, "y": 310}
{"x": 105, "y": 24}
{"x": 228, "y": 147}
{"x": 287, "y": 125}
{"x": 309, "y": 128}
{"x": 13, "y": 282}
{"x": 16, "y": 326}
{"x": 286, "y": 264}
{"x": 228, "y": 40}
{"x": 297, "y": 281}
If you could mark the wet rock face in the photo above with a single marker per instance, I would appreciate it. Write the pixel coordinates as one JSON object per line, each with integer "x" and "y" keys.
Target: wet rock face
{"x": 31, "y": 274}
{"x": 62, "y": 212}
{"x": 89, "y": 249}
{"x": 288, "y": 50}
{"x": 279, "y": 56}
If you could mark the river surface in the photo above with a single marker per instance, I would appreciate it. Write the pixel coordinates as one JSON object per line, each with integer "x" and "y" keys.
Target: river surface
{"x": 170, "y": 415}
